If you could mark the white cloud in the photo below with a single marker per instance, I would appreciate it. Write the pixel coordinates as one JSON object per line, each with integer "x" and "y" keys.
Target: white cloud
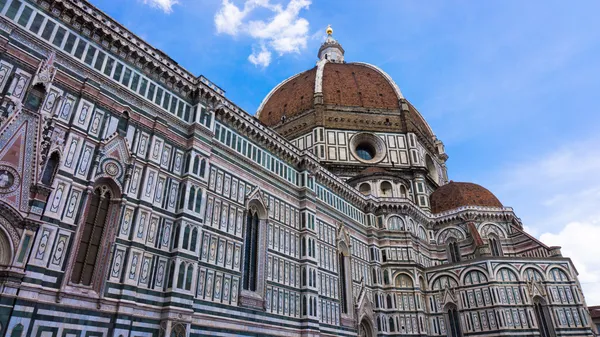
{"x": 164, "y": 5}
{"x": 282, "y": 31}
{"x": 579, "y": 241}
{"x": 261, "y": 58}
{"x": 557, "y": 196}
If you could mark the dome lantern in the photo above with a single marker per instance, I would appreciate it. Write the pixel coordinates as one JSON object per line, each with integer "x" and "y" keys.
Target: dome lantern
{"x": 331, "y": 50}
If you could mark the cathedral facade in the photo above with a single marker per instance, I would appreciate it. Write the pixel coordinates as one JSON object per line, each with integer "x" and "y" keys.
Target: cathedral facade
{"x": 136, "y": 200}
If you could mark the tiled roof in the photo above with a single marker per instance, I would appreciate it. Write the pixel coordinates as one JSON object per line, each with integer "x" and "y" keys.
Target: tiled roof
{"x": 455, "y": 194}
{"x": 347, "y": 84}
{"x": 290, "y": 99}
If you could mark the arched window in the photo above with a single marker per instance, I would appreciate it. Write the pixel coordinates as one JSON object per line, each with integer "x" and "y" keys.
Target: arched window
{"x": 171, "y": 275}
{"x": 495, "y": 246}
{"x": 506, "y": 275}
{"x": 395, "y": 223}
{"x": 196, "y": 163}
{"x": 403, "y": 192}
{"x": 374, "y": 274}
{"x": 386, "y": 189}
{"x": 5, "y": 250}
{"x": 365, "y": 188}
{"x": 188, "y": 277}
{"x": 186, "y": 237}
{"x": 390, "y": 302}
{"x": 17, "y": 331}
{"x": 178, "y": 330}
{"x": 50, "y": 169}
{"x": 392, "y": 325}
{"x": 175, "y": 237}
{"x": 182, "y": 196}
{"x": 251, "y": 250}
{"x": 433, "y": 173}
{"x": 202, "y": 167}
{"x": 386, "y": 277}
{"x": 194, "y": 239}
{"x": 191, "y": 198}
{"x": 186, "y": 164}
{"x": 475, "y": 277}
{"x": 532, "y": 274}
{"x": 543, "y": 317}
{"x": 91, "y": 236}
{"x": 559, "y": 275}
{"x": 181, "y": 275}
{"x": 35, "y": 97}
{"x": 453, "y": 251}
{"x": 444, "y": 281}
{"x": 404, "y": 281}
{"x": 198, "y": 204}
{"x": 123, "y": 123}
{"x": 303, "y": 305}
{"x": 454, "y": 329}
{"x": 343, "y": 285}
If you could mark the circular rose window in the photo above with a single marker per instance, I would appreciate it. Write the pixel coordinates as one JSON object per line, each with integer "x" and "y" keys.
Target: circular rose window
{"x": 367, "y": 148}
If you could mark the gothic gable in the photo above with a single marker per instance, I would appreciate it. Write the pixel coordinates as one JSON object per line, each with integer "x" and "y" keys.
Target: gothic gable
{"x": 17, "y": 159}
{"x": 114, "y": 158}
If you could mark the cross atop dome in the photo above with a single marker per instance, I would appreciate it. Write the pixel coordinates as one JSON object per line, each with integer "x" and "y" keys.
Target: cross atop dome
{"x": 331, "y": 50}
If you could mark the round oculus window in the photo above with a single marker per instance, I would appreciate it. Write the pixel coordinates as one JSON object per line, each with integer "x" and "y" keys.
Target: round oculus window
{"x": 367, "y": 148}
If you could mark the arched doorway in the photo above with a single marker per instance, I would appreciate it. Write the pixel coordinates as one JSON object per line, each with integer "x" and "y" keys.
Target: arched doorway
{"x": 5, "y": 250}
{"x": 365, "y": 329}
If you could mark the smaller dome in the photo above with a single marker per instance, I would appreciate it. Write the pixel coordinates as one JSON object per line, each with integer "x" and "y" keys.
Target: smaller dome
{"x": 455, "y": 194}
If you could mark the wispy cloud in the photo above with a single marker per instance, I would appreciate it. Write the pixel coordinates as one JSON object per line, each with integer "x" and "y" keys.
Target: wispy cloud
{"x": 557, "y": 195}
{"x": 164, "y": 5}
{"x": 282, "y": 31}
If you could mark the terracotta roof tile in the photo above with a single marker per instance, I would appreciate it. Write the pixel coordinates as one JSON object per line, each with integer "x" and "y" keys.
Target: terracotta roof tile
{"x": 348, "y": 84}
{"x": 455, "y": 194}
{"x": 290, "y": 99}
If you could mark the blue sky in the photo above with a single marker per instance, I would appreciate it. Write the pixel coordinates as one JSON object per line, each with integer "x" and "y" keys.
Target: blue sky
{"x": 510, "y": 87}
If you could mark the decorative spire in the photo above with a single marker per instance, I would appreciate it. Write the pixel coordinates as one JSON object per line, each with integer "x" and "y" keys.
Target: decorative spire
{"x": 331, "y": 50}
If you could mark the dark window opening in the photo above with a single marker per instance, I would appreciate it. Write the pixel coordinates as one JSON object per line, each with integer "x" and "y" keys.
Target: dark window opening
{"x": 90, "y": 244}
{"x": 365, "y": 151}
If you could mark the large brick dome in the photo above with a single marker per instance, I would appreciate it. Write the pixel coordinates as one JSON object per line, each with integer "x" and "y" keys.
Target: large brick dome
{"x": 341, "y": 95}
{"x": 356, "y": 85}
{"x": 455, "y": 194}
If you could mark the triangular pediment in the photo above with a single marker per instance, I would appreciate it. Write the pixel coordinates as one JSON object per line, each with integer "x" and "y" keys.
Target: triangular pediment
{"x": 17, "y": 161}
{"x": 448, "y": 296}
{"x": 258, "y": 195}
{"x": 117, "y": 147}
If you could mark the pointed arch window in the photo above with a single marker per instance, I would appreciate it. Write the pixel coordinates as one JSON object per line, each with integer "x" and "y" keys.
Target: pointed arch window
{"x": 123, "y": 123}
{"x": 543, "y": 317}
{"x": 194, "y": 239}
{"x": 196, "y": 163}
{"x": 50, "y": 169}
{"x": 453, "y": 252}
{"x": 251, "y": 250}
{"x": 91, "y": 237}
{"x": 191, "y": 198}
{"x": 188, "y": 277}
{"x": 186, "y": 237}
{"x": 17, "y": 331}
{"x": 202, "y": 167}
{"x": 454, "y": 329}
{"x": 495, "y": 246}
{"x": 35, "y": 97}
{"x": 198, "y": 204}
{"x": 343, "y": 290}
{"x": 181, "y": 275}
